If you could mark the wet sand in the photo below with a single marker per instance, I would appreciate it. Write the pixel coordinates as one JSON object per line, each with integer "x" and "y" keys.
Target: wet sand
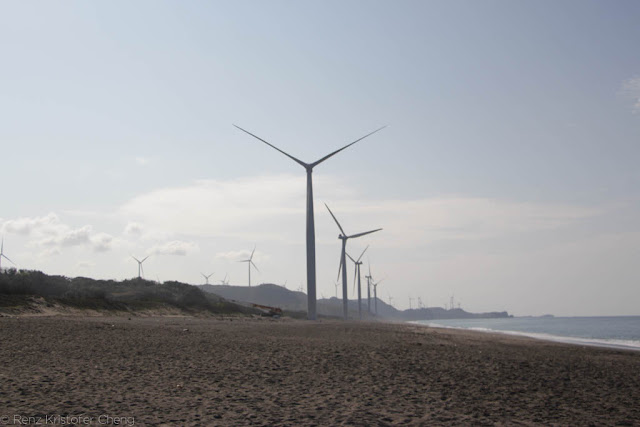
{"x": 195, "y": 371}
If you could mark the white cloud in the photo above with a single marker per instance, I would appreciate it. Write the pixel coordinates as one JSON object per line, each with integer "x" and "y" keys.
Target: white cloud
{"x": 133, "y": 229}
{"x": 101, "y": 242}
{"x": 51, "y": 235}
{"x": 272, "y": 208}
{"x": 26, "y": 226}
{"x": 75, "y": 237}
{"x": 175, "y": 247}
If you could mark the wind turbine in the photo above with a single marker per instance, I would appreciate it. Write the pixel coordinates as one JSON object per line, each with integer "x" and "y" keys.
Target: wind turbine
{"x": 358, "y": 263}
{"x": 206, "y": 277}
{"x": 140, "y": 269}
{"x": 343, "y": 261}
{"x": 250, "y": 263}
{"x": 375, "y": 294}
{"x": 2, "y": 255}
{"x": 336, "y": 285}
{"x": 311, "y": 234}
{"x": 369, "y": 277}
{"x": 225, "y": 281}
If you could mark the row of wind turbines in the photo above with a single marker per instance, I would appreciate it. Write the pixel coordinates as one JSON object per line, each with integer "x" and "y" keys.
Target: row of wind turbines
{"x": 310, "y": 231}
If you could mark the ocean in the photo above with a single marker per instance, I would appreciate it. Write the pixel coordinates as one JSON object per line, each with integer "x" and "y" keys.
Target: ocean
{"x": 614, "y": 332}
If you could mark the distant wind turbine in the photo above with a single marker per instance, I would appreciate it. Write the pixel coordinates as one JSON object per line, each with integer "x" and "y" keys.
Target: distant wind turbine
{"x": 358, "y": 263}
{"x": 206, "y": 277}
{"x": 375, "y": 295}
{"x": 249, "y": 262}
{"x": 225, "y": 281}
{"x": 2, "y": 255}
{"x": 369, "y": 277}
{"x": 140, "y": 269}
{"x": 343, "y": 261}
{"x": 311, "y": 236}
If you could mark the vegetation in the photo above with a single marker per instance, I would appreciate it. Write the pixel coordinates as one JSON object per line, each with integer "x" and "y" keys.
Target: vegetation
{"x": 18, "y": 287}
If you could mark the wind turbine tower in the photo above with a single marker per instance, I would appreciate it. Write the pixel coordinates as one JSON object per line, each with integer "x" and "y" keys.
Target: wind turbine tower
{"x": 343, "y": 261}
{"x": 375, "y": 295}
{"x": 2, "y": 255}
{"x": 206, "y": 277}
{"x": 140, "y": 269}
{"x": 311, "y": 236}
{"x": 368, "y": 277}
{"x": 249, "y": 262}
{"x": 358, "y": 263}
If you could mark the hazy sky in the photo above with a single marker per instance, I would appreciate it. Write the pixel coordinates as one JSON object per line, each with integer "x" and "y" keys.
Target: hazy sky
{"x": 508, "y": 175}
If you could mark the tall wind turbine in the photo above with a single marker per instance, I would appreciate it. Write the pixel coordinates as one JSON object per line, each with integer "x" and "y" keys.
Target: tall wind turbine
{"x": 249, "y": 262}
{"x": 2, "y": 255}
{"x": 343, "y": 261}
{"x": 358, "y": 263}
{"x": 311, "y": 234}
{"x": 206, "y": 277}
{"x": 140, "y": 269}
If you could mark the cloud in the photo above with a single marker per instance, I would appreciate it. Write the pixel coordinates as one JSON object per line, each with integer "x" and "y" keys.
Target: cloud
{"x": 133, "y": 229}
{"x": 272, "y": 208}
{"x": 631, "y": 89}
{"x": 51, "y": 234}
{"x": 240, "y": 255}
{"x": 101, "y": 242}
{"x": 75, "y": 237}
{"x": 175, "y": 247}
{"x": 26, "y": 226}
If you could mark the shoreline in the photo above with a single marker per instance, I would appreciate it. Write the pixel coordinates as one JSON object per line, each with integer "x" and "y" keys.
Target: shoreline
{"x": 579, "y": 341}
{"x": 204, "y": 371}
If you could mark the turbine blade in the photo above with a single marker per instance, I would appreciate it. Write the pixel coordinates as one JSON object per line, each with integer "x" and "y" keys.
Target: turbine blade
{"x": 355, "y": 274}
{"x": 339, "y": 269}
{"x": 362, "y": 234}
{"x": 254, "y": 249}
{"x": 350, "y": 257}
{"x": 365, "y": 250}
{"x": 334, "y": 218}
{"x": 7, "y": 258}
{"x": 254, "y": 266}
{"x": 300, "y": 162}
{"x": 142, "y": 271}
{"x": 145, "y": 258}
{"x": 135, "y": 258}
{"x": 314, "y": 164}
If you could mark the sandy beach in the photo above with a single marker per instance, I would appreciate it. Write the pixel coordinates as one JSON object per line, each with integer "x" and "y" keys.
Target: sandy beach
{"x": 199, "y": 371}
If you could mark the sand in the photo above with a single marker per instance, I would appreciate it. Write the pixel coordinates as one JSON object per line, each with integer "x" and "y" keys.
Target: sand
{"x": 197, "y": 371}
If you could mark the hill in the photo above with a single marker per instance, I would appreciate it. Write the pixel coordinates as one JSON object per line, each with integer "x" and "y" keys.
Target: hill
{"x": 294, "y": 301}
{"x": 33, "y": 291}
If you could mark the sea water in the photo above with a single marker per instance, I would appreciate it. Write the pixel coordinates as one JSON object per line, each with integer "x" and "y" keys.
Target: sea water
{"x": 614, "y": 332}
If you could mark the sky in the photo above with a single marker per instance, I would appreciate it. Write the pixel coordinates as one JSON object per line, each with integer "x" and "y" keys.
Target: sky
{"x": 507, "y": 176}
